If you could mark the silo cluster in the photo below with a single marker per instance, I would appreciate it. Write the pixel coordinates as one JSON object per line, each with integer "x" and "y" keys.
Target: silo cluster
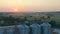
{"x": 34, "y": 28}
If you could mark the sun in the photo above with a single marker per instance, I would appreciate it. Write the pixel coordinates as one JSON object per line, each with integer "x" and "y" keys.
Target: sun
{"x": 15, "y": 10}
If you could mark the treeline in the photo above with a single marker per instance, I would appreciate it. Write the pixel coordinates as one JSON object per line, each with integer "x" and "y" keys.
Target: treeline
{"x": 10, "y": 20}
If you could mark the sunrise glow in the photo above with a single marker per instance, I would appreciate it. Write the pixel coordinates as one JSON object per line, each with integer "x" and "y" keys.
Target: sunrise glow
{"x": 15, "y": 10}
{"x": 29, "y": 5}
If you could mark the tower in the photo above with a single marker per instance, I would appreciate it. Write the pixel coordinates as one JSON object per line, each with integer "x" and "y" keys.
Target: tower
{"x": 23, "y": 28}
{"x": 35, "y": 28}
{"x": 45, "y": 27}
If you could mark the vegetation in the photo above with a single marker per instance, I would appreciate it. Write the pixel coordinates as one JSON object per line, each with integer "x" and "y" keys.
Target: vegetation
{"x": 54, "y": 20}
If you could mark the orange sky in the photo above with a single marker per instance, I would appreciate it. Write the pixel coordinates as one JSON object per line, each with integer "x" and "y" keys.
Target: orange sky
{"x": 29, "y": 5}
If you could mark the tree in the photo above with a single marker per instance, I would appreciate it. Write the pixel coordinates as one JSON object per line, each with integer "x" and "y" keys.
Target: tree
{"x": 53, "y": 23}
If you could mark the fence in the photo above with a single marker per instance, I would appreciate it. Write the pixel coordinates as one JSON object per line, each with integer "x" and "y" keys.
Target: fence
{"x": 35, "y": 28}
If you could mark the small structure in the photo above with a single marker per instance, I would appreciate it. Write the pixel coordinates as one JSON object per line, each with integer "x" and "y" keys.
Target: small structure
{"x": 56, "y": 31}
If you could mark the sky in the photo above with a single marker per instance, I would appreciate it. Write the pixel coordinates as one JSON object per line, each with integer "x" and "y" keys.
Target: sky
{"x": 29, "y": 5}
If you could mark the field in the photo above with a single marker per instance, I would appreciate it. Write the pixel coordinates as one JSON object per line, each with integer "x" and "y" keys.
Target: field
{"x": 32, "y": 16}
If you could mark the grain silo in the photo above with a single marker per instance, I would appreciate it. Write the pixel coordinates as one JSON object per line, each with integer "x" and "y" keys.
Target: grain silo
{"x": 45, "y": 28}
{"x": 1, "y": 30}
{"x": 35, "y": 28}
{"x": 10, "y": 30}
{"x": 23, "y": 29}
